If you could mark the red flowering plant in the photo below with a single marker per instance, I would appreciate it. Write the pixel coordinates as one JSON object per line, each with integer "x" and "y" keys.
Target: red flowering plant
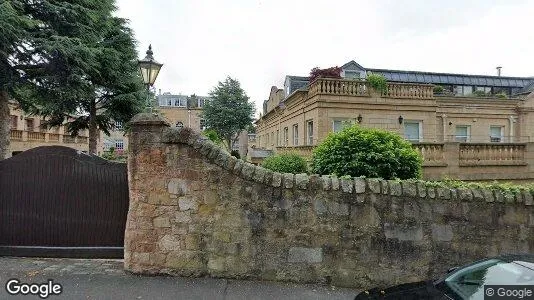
{"x": 333, "y": 72}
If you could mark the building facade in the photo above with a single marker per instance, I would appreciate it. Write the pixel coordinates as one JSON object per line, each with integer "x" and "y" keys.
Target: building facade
{"x": 493, "y": 114}
{"x": 26, "y": 133}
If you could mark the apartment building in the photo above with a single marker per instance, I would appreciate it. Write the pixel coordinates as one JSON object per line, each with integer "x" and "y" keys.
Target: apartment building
{"x": 466, "y": 110}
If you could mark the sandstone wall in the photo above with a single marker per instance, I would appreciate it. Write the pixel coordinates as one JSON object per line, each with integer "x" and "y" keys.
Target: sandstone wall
{"x": 196, "y": 211}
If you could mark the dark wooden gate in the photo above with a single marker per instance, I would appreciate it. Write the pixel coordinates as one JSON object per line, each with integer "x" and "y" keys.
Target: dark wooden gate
{"x": 57, "y": 202}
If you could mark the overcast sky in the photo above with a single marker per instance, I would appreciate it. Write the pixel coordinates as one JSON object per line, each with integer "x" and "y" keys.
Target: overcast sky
{"x": 200, "y": 42}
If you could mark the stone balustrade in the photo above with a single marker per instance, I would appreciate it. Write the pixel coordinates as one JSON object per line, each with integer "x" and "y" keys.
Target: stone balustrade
{"x": 36, "y": 136}
{"x": 15, "y": 134}
{"x": 411, "y": 91}
{"x": 432, "y": 153}
{"x": 350, "y": 87}
{"x": 492, "y": 153}
{"x": 340, "y": 87}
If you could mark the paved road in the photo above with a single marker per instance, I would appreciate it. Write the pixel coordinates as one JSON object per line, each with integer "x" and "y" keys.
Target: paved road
{"x": 105, "y": 279}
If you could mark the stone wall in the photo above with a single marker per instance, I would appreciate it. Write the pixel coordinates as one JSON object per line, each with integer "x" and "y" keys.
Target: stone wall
{"x": 196, "y": 211}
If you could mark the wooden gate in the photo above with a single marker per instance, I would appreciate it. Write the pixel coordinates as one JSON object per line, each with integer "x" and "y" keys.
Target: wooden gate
{"x": 57, "y": 202}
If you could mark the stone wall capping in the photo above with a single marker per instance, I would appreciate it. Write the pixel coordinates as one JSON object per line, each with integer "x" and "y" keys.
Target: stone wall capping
{"x": 359, "y": 185}
{"x": 289, "y": 180}
{"x": 347, "y": 185}
{"x": 277, "y": 179}
{"x": 302, "y": 181}
{"x": 384, "y": 186}
{"x": 395, "y": 188}
{"x": 409, "y": 189}
{"x": 466, "y": 194}
{"x": 327, "y": 182}
{"x": 374, "y": 185}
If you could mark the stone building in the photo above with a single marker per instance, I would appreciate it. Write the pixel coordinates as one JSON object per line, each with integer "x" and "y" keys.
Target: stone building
{"x": 27, "y": 132}
{"x": 488, "y": 117}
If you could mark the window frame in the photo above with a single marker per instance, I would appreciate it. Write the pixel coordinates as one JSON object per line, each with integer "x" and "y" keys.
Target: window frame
{"x": 419, "y": 130}
{"x": 295, "y": 134}
{"x": 500, "y": 137}
{"x": 457, "y": 138}
{"x": 309, "y": 137}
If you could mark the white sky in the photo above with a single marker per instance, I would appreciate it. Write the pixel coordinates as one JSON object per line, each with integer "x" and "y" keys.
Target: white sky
{"x": 200, "y": 42}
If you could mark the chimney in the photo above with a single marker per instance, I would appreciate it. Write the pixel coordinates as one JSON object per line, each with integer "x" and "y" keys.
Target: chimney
{"x": 499, "y": 71}
{"x": 160, "y": 92}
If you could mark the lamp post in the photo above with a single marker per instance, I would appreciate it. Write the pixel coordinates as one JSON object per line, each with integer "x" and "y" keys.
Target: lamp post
{"x": 149, "y": 69}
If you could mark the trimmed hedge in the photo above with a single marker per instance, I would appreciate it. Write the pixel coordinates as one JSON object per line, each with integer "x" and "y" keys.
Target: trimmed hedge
{"x": 286, "y": 163}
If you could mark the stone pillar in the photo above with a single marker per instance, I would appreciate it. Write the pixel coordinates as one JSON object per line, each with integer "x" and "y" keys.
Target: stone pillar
{"x": 511, "y": 120}
{"x": 243, "y": 144}
{"x": 146, "y": 158}
{"x": 445, "y": 126}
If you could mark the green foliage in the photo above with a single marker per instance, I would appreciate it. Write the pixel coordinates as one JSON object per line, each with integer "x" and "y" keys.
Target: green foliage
{"x": 286, "y": 163}
{"x": 235, "y": 154}
{"x": 480, "y": 94}
{"x": 114, "y": 156}
{"x": 79, "y": 64}
{"x": 228, "y": 111}
{"x": 378, "y": 82}
{"x": 212, "y": 135}
{"x": 357, "y": 151}
{"x": 501, "y": 95}
{"x": 438, "y": 89}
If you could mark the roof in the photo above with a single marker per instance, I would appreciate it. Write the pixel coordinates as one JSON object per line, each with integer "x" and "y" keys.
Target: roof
{"x": 452, "y": 78}
{"x": 527, "y": 89}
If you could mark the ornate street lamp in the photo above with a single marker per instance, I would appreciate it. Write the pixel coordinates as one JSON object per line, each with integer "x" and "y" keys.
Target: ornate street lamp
{"x": 149, "y": 70}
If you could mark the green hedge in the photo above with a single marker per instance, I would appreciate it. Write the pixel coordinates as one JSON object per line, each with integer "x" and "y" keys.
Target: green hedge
{"x": 286, "y": 163}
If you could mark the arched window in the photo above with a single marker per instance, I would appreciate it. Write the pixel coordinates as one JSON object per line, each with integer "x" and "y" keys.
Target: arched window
{"x": 179, "y": 124}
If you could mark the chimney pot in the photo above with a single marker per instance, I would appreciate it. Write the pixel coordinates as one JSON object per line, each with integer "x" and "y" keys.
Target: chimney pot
{"x": 499, "y": 71}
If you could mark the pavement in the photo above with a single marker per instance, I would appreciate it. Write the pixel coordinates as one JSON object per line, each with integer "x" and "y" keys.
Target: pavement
{"x": 105, "y": 279}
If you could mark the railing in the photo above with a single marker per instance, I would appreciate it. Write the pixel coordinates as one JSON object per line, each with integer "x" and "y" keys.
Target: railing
{"x": 487, "y": 139}
{"x": 15, "y": 134}
{"x": 431, "y": 152}
{"x": 53, "y": 137}
{"x": 348, "y": 87}
{"x": 36, "y": 136}
{"x": 330, "y": 86}
{"x": 411, "y": 91}
{"x": 83, "y": 140}
{"x": 498, "y": 153}
{"x": 69, "y": 139}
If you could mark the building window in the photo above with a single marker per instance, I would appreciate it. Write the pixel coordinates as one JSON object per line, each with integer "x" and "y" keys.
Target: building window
{"x": 201, "y": 102}
{"x": 286, "y": 136}
{"x": 295, "y": 135}
{"x": 413, "y": 131}
{"x": 29, "y": 124}
{"x": 179, "y": 124}
{"x": 463, "y": 133}
{"x": 352, "y": 74}
{"x": 496, "y": 134}
{"x": 14, "y": 121}
{"x": 202, "y": 124}
{"x": 169, "y": 102}
{"x": 118, "y": 125}
{"x": 309, "y": 132}
{"x": 119, "y": 145}
{"x": 338, "y": 125}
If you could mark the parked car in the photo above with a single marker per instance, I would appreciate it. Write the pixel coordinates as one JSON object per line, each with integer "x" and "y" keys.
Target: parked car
{"x": 465, "y": 282}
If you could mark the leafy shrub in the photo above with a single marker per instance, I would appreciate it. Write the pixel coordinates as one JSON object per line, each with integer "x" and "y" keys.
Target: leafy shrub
{"x": 438, "y": 89}
{"x": 235, "y": 154}
{"x": 333, "y": 72}
{"x": 286, "y": 163}
{"x": 378, "y": 82}
{"x": 501, "y": 95}
{"x": 212, "y": 136}
{"x": 357, "y": 151}
{"x": 480, "y": 94}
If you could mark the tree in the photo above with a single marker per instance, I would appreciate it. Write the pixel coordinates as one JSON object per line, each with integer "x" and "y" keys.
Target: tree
{"x": 14, "y": 26}
{"x": 332, "y": 72}
{"x": 70, "y": 61}
{"x": 358, "y": 151}
{"x": 92, "y": 56}
{"x": 228, "y": 111}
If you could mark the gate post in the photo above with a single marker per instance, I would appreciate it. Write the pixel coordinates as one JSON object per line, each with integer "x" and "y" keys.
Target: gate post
{"x": 146, "y": 156}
